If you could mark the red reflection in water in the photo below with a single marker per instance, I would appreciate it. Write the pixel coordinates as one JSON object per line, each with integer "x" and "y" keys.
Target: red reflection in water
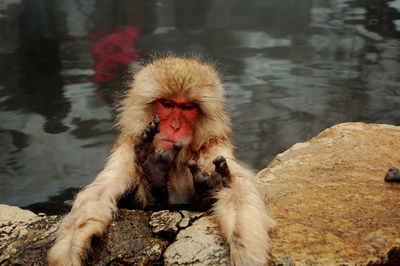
{"x": 113, "y": 51}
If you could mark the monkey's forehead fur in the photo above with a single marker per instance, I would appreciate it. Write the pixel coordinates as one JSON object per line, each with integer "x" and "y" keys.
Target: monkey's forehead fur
{"x": 170, "y": 77}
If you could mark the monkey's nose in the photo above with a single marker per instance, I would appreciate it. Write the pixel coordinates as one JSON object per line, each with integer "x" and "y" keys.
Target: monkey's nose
{"x": 175, "y": 124}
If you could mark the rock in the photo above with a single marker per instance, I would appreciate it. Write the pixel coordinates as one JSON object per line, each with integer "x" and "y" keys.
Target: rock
{"x": 24, "y": 236}
{"x": 199, "y": 244}
{"x": 13, "y": 214}
{"x": 128, "y": 241}
{"x": 192, "y": 215}
{"x": 168, "y": 223}
{"x": 165, "y": 222}
{"x": 393, "y": 175}
{"x": 330, "y": 199}
{"x": 189, "y": 217}
{"x": 185, "y": 222}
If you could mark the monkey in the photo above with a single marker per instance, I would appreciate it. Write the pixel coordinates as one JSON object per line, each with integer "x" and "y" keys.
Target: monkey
{"x": 174, "y": 147}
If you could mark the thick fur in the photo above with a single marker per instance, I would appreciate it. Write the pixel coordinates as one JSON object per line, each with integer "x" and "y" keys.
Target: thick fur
{"x": 239, "y": 209}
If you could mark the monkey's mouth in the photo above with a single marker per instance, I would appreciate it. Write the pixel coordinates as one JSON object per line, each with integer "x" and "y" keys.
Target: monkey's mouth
{"x": 165, "y": 144}
{"x": 168, "y": 140}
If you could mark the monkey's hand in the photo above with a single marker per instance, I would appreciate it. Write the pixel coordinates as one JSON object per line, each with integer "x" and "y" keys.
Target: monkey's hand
{"x": 206, "y": 185}
{"x": 155, "y": 165}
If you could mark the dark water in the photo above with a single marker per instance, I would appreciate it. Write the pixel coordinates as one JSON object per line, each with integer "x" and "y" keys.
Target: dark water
{"x": 291, "y": 68}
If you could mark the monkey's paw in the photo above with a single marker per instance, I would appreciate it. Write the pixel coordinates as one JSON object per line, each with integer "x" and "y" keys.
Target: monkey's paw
{"x": 206, "y": 185}
{"x": 144, "y": 143}
{"x": 155, "y": 165}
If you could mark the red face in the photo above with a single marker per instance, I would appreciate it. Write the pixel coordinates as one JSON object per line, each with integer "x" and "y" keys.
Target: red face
{"x": 176, "y": 119}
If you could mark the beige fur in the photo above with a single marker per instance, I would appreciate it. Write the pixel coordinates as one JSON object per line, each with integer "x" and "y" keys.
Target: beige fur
{"x": 239, "y": 210}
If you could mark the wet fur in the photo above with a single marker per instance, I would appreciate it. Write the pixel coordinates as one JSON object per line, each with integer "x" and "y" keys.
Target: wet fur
{"x": 239, "y": 209}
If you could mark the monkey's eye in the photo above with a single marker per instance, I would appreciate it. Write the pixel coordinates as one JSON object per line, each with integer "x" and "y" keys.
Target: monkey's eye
{"x": 168, "y": 104}
{"x": 187, "y": 107}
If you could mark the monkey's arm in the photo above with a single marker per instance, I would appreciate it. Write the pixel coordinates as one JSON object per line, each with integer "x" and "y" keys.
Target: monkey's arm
{"x": 241, "y": 213}
{"x": 94, "y": 207}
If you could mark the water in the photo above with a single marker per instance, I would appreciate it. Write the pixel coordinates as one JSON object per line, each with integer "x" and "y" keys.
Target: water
{"x": 291, "y": 69}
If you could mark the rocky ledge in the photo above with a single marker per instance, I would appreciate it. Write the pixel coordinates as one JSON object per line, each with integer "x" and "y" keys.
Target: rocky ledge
{"x": 330, "y": 200}
{"x": 135, "y": 237}
{"x": 328, "y": 195}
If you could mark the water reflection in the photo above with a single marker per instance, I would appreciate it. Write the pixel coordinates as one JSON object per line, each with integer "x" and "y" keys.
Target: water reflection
{"x": 37, "y": 70}
{"x": 291, "y": 69}
{"x": 113, "y": 52}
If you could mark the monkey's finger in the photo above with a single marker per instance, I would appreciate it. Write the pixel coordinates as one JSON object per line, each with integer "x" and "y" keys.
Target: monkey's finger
{"x": 221, "y": 166}
{"x": 140, "y": 155}
{"x": 199, "y": 178}
{"x": 138, "y": 145}
{"x": 156, "y": 120}
{"x": 226, "y": 180}
{"x": 216, "y": 180}
{"x": 155, "y": 124}
{"x": 191, "y": 164}
{"x": 151, "y": 130}
{"x": 218, "y": 159}
{"x": 145, "y": 140}
{"x": 141, "y": 140}
{"x": 194, "y": 168}
{"x": 143, "y": 146}
{"x": 170, "y": 155}
{"x": 139, "y": 150}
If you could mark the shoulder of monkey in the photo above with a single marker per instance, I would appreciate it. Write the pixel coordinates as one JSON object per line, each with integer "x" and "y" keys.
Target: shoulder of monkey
{"x": 123, "y": 139}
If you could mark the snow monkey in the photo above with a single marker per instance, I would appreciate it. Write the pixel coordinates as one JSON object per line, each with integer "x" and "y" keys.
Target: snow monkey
{"x": 174, "y": 147}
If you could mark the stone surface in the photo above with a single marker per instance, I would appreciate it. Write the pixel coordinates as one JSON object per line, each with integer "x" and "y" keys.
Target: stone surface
{"x": 189, "y": 217}
{"x": 330, "y": 200}
{"x": 199, "y": 244}
{"x": 134, "y": 237}
{"x": 168, "y": 223}
{"x": 165, "y": 222}
{"x": 128, "y": 241}
{"x": 13, "y": 214}
{"x": 24, "y": 236}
